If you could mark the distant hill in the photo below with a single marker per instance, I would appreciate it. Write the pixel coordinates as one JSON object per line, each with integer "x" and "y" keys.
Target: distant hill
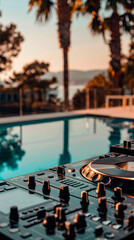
{"x": 76, "y": 77}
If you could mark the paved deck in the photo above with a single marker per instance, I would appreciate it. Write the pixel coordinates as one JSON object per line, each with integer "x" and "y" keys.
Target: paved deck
{"x": 113, "y": 112}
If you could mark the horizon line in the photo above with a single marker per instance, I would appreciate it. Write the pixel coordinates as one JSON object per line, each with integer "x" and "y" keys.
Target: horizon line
{"x": 95, "y": 69}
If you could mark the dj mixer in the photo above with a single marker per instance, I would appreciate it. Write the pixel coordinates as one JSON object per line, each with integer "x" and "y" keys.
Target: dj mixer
{"x": 89, "y": 199}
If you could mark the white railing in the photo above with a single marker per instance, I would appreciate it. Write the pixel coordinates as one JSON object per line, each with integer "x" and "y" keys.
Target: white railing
{"x": 124, "y": 99}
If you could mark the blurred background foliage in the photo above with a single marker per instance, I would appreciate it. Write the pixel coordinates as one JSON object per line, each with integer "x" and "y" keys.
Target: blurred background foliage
{"x": 110, "y": 18}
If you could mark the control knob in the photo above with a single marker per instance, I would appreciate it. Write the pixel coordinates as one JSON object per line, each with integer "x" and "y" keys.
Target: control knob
{"x": 49, "y": 223}
{"x": 120, "y": 207}
{"x": 31, "y": 182}
{"x": 57, "y": 205}
{"x": 125, "y": 144}
{"x": 80, "y": 221}
{"x": 102, "y": 204}
{"x": 129, "y": 144}
{"x": 14, "y": 215}
{"x": 98, "y": 230}
{"x": 84, "y": 197}
{"x": 69, "y": 233}
{"x": 64, "y": 193}
{"x": 60, "y": 171}
{"x": 60, "y": 214}
{"x": 46, "y": 187}
{"x": 100, "y": 189}
{"x": 118, "y": 194}
{"x": 130, "y": 221}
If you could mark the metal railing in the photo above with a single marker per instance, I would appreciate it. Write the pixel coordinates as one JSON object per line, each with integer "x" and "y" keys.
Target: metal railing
{"x": 33, "y": 101}
{"x": 94, "y": 98}
{"x": 124, "y": 99}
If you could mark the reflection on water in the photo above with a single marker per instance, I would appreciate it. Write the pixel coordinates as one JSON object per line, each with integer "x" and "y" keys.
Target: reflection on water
{"x": 29, "y": 148}
{"x": 65, "y": 157}
{"x": 115, "y": 132}
{"x": 131, "y": 130}
{"x": 10, "y": 149}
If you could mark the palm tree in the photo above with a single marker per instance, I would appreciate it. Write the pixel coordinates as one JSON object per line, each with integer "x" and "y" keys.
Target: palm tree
{"x": 128, "y": 69}
{"x": 64, "y": 23}
{"x": 64, "y": 11}
{"x": 118, "y": 20}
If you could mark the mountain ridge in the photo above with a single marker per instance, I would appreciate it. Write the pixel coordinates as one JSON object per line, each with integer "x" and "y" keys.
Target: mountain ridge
{"x": 77, "y": 77}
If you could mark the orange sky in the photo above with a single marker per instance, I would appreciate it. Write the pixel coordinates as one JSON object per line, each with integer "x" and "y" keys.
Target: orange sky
{"x": 87, "y": 51}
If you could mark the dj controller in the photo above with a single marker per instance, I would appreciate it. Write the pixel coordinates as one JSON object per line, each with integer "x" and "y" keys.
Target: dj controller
{"x": 89, "y": 199}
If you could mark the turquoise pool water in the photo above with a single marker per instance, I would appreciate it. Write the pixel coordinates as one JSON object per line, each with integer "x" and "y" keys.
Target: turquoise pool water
{"x": 29, "y": 148}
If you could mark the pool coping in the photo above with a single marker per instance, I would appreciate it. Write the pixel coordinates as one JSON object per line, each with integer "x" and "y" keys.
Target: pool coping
{"x": 113, "y": 112}
{"x": 38, "y": 118}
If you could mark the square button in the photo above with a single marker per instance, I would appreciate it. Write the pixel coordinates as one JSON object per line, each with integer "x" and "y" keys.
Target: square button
{"x": 25, "y": 235}
{"x": 106, "y": 223}
{"x": 116, "y": 227}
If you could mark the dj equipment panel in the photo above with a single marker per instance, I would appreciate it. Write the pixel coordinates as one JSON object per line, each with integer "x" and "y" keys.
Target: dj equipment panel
{"x": 90, "y": 199}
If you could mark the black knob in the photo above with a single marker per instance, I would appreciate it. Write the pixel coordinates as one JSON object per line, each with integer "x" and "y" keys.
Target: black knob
{"x": 80, "y": 221}
{"x": 31, "y": 181}
{"x": 41, "y": 213}
{"x": 118, "y": 194}
{"x": 60, "y": 214}
{"x": 14, "y": 215}
{"x": 120, "y": 207}
{"x": 129, "y": 144}
{"x": 69, "y": 233}
{"x": 102, "y": 204}
{"x": 84, "y": 197}
{"x": 61, "y": 170}
{"x": 125, "y": 144}
{"x": 98, "y": 230}
{"x": 100, "y": 189}
{"x": 49, "y": 223}
{"x": 64, "y": 193}
{"x": 46, "y": 187}
{"x": 130, "y": 221}
{"x": 57, "y": 205}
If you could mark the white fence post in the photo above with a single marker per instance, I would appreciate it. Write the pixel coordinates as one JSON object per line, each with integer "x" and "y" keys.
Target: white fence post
{"x": 124, "y": 99}
{"x": 107, "y": 102}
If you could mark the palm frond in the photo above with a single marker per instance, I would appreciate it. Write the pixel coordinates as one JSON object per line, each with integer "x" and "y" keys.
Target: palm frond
{"x": 76, "y": 6}
{"x": 44, "y": 8}
{"x": 92, "y": 6}
{"x": 127, "y": 21}
{"x": 111, "y": 4}
{"x": 95, "y": 24}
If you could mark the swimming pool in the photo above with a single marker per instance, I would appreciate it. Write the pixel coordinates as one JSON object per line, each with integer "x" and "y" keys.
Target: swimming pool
{"x": 34, "y": 147}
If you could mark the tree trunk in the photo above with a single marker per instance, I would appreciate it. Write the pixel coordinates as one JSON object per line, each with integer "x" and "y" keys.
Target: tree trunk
{"x": 64, "y": 22}
{"x": 115, "y": 48}
{"x": 66, "y": 79}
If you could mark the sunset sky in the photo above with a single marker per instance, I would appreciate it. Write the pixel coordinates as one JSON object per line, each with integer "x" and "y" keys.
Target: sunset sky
{"x": 87, "y": 52}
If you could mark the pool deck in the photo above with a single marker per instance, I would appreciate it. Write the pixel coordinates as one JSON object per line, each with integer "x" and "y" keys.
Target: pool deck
{"x": 113, "y": 112}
